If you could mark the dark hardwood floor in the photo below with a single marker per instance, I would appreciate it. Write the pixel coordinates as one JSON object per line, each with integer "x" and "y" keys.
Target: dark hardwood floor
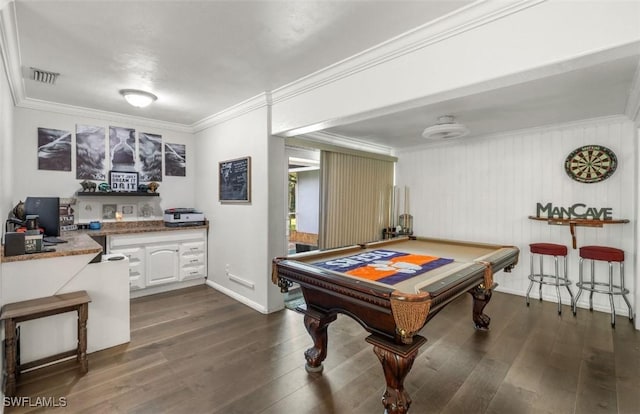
{"x": 198, "y": 351}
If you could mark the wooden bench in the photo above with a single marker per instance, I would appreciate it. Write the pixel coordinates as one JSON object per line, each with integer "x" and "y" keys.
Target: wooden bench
{"x": 13, "y": 313}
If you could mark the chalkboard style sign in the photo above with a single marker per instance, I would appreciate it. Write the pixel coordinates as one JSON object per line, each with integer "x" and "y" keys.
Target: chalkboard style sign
{"x": 235, "y": 180}
{"x": 123, "y": 181}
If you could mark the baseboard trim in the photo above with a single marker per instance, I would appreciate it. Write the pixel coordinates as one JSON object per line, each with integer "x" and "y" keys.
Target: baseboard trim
{"x": 582, "y": 304}
{"x": 238, "y": 297}
{"x": 138, "y": 293}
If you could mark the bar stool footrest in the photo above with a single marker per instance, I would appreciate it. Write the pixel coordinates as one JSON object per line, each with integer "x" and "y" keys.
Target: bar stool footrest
{"x": 550, "y": 280}
{"x": 615, "y": 289}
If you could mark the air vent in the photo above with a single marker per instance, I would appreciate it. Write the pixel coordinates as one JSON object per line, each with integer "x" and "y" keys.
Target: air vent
{"x": 44, "y": 76}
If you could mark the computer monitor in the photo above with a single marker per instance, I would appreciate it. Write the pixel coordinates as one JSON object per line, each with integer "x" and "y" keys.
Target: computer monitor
{"x": 48, "y": 211}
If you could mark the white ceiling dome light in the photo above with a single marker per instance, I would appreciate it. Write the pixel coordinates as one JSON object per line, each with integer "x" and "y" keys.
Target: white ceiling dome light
{"x": 446, "y": 128}
{"x": 138, "y": 98}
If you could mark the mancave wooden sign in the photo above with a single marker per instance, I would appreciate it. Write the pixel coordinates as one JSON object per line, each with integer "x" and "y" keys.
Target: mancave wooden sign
{"x": 575, "y": 211}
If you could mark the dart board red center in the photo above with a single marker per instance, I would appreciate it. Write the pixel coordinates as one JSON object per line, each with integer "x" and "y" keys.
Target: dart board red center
{"x": 591, "y": 163}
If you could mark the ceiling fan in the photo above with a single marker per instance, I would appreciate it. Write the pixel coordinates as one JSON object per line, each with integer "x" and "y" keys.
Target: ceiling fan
{"x": 445, "y": 128}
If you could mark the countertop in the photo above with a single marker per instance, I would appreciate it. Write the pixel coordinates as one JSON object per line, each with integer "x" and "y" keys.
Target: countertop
{"x": 129, "y": 227}
{"x": 80, "y": 241}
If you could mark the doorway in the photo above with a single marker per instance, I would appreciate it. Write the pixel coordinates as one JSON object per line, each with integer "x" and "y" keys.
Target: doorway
{"x": 303, "y": 199}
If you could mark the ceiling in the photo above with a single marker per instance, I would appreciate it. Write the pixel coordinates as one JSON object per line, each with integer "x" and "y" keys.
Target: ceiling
{"x": 593, "y": 91}
{"x": 198, "y": 57}
{"x": 201, "y": 57}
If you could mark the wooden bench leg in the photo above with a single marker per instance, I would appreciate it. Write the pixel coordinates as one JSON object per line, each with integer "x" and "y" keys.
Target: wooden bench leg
{"x": 10, "y": 356}
{"x": 14, "y": 313}
{"x": 83, "y": 313}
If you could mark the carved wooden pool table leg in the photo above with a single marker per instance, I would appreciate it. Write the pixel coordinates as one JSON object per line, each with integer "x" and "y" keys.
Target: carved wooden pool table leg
{"x": 396, "y": 361}
{"x": 481, "y": 297}
{"x": 317, "y": 324}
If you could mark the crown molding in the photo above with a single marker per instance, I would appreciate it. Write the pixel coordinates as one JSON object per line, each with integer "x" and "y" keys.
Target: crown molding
{"x": 632, "y": 109}
{"x": 347, "y": 142}
{"x": 65, "y": 109}
{"x": 475, "y": 15}
{"x": 259, "y": 101}
{"x": 10, "y": 51}
{"x": 12, "y": 64}
{"x": 584, "y": 60}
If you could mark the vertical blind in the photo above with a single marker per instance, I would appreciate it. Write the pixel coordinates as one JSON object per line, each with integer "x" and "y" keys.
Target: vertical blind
{"x": 354, "y": 198}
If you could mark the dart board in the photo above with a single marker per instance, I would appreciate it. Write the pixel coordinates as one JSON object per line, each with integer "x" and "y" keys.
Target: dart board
{"x": 591, "y": 164}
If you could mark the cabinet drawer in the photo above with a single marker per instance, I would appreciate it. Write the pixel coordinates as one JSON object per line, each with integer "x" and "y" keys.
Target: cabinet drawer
{"x": 190, "y": 272}
{"x": 191, "y": 248}
{"x": 192, "y": 259}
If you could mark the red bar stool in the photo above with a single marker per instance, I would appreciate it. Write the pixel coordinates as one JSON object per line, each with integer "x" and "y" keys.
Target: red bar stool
{"x": 557, "y": 280}
{"x": 610, "y": 255}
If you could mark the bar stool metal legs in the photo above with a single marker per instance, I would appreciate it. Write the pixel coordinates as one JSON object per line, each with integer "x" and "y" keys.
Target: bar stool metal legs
{"x": 556, "y": 279}
{"x": 611, "y": 256}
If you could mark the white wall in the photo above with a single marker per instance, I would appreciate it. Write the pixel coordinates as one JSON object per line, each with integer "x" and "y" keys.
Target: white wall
{"x": 6, "y": 146}
{"x": 243, "y": 238}
{"x": 483, "y": 189}
{"x": 278, "y": 186}
{"x": 28, "y": 180}
{"x": 6, "y": 163}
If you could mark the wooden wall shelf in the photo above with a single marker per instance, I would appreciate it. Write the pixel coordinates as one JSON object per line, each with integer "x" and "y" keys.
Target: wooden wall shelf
{"x": 573, "y": 223}
{"x": 117, "y": 193}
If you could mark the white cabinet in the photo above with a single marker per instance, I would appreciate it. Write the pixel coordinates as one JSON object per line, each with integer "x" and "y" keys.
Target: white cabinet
{"x": 162, "y": 258}
{"x": 137, "y": 274}
{"x": 193, "y": 261}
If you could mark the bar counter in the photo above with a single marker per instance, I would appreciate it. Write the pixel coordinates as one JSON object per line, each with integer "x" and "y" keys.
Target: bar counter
{"x": 79, "y": 241}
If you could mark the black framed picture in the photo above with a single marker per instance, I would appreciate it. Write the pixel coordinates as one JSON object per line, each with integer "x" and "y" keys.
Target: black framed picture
{"x": 235, "y": 180}
{"x": 123, "y": 181}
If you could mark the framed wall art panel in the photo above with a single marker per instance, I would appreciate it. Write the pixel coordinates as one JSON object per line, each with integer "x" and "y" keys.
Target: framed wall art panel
{"x": 235, "y": 180}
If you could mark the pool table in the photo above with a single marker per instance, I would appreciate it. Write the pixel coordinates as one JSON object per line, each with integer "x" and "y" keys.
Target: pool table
{"x": 420, "y": 276}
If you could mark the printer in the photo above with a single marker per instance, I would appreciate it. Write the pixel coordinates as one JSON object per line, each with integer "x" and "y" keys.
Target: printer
{"x": 183, "y": 217}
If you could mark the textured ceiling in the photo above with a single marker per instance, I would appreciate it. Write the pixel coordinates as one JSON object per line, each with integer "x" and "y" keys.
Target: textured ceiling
{"x": 198, "y": 57}
{"x": 201, "y": 57}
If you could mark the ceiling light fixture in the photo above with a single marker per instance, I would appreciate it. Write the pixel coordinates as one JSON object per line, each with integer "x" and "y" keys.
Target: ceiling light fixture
{"x": 138, "y": 98}
{"x": 446, "y": 128}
